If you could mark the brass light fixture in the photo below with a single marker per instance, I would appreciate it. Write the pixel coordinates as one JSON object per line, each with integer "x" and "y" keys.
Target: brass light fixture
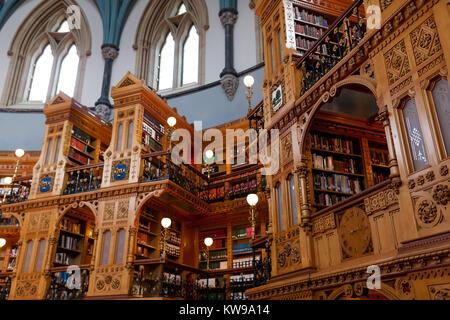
{"x": 252, "y": 200}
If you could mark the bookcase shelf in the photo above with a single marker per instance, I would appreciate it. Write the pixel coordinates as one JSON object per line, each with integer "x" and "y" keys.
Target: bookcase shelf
{"x": 83, "y": 148}
{"x": 147, "y": 237}
{"x": 75, "y": 245}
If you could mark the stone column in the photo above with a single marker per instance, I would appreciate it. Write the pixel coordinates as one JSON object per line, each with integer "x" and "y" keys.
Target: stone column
{"x": 228, "y": 76}
{"x": 383, "y": 117}
{"x": 103, "y": 105}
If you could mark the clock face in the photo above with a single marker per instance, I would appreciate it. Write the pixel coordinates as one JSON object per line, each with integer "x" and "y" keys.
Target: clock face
{"x": 354, "y": 232}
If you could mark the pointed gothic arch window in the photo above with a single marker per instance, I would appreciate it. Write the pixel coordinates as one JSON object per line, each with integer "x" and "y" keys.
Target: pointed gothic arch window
{"x": 166, "y": 64}
{"x": 40, "y": 75}
{"x": 190, "y": 57}
{"x": 186, "y": 21}
{"x": 68, "y": 72}
{"x": 47, "y": 56}
{"x": 181, "y": 9}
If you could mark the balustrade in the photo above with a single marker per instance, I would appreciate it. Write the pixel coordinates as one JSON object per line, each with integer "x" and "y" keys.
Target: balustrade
{"x": 20, "y": 189}
{"x": 84, "y": 179}
{"x": 65, "y": 286}
{"x": 336, "y": 43}
{"x": 5, "y": 286}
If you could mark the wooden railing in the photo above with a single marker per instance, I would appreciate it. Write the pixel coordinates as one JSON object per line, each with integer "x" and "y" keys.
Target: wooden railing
{"x": 65, "y": 286}
{"x": 84, "y": 179}
{"x": 20, "y": 189}
{"x": 336, "y": 43}
{"x": 5, "y": 285}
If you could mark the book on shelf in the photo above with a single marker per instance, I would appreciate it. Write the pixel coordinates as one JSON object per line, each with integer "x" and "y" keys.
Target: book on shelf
{"x": 68, "y": 242}
{"x": 329, "y": 143}
{"x": 241, "y": 233}
{"x": 308, "y": 30}
{"x": 337, "y": 183}
{"x": 244, "y": 262}
{"x": 241, "y": 247}
{"x": 333, "y": 164}
{"x": 76, "y": 155}
{"x": 62, "y": 258}
{"x": 379, "y": 157}
{"x": 70, "y": 226}
{"x": 325, "y": 199}
{"x": 306, "y": 16}
{"x": 81, "y": 135}
{"x": 379, "y": 176}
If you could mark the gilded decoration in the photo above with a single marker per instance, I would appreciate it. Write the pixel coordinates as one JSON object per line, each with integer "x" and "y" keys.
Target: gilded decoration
{"x": 121, "y": 170}
{"x": 109, "y": 211}
{"x": 397, "y": 63}
{"x": 425, "y": 40}
{"x": 380, "y": 201}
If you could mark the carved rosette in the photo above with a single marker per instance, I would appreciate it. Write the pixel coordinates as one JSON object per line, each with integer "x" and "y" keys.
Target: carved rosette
{"x": 428, "y": 214}
{"x": 441, "y": 194}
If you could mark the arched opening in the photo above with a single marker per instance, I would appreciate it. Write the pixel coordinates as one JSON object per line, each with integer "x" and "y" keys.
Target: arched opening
{"x": 10, "y": 230}
{"x": 75, "y": 244}
{"x": 346, "y": 147}
{"x": 153, "y": 242}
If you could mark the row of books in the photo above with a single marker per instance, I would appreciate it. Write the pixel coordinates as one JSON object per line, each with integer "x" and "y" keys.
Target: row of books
{"x": 149, "y": 141}
{"x": 325, "y": 199}
{"x": 336, "y": 144}
{"x": 216, "y": 233}
{"x": 241, "y": 247}
{"x": 337, "y": 183}
{"x": 148, "y": 129}
{"x": 304, "y": 15}
{"x": 236, "y": 279}
{"x": 214, "y": 265}
{"x": 213, "y": 194}
{"x": 77, "y": 144}
{"x": 62, "y": 258}
{"x": 304, "y": 44}
{"x": 174, "y": 237}
{"x": 242, "y": 187}
{"x": 241, "y": 233}
{"x": 70, "y": 226}
{"x": 217, "y": 254}
{"x": 309, "y": 30}
{"x": 172, "y": 249}
{"x": 143, "y": 251}
{"x": 11, "y": 264}
{"x": 379, "y": 157}
{"x": 145, "y": 224}
{"x": 243, "y": 262}
{"x": 74, "y": 154}
{"x": 331, "y": 163}
{"x": 379, "y": 176}
{"x": 68, "y": 242}
{"x": 238, "y": 296}
{"x": 154, "y": 123}
{"x": 80, "y": 134}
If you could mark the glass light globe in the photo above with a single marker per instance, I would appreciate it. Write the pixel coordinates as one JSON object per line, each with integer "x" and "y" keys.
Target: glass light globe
{"x": 249, "y": 81}
{"x": 8, "y": 180}
{"x": 2, "y": 242}
{"x": 19, "y": 153}
{"x": 252, "y": 199}
{"x": 171, "y": 121}
{"x": 166, "y": 222}
{"x": 209, "y": 154}
{"x": 208, "y": 241}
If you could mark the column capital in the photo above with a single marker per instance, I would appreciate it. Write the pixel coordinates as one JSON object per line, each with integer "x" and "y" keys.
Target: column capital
{"x": 110, "y": 51}
{"x": 228, "y": 16}
{"x": 383, "y": 115}
{"x": 302, "y": 170}
{"x": 230, "y": 83}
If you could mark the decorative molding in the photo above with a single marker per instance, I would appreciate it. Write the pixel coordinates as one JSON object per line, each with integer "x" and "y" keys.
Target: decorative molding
{"x": 380, "y": 201}
{"x": 397, "y": 62}
{"x": 425, "y": 40}
{"x": 323, "y": 223}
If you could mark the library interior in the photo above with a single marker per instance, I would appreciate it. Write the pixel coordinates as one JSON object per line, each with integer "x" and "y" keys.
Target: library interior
{"x": 97, "y": 96}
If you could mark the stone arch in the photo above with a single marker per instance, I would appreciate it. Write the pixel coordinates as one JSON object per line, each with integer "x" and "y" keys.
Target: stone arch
{"x": 19, "y": 217}
{"x": 155, "y": 24}
{"x": 36, "y": 29}
{"x": 143, "y": 198}
{"x": 306, "y": 119}
{"x": 64, "y": 209}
